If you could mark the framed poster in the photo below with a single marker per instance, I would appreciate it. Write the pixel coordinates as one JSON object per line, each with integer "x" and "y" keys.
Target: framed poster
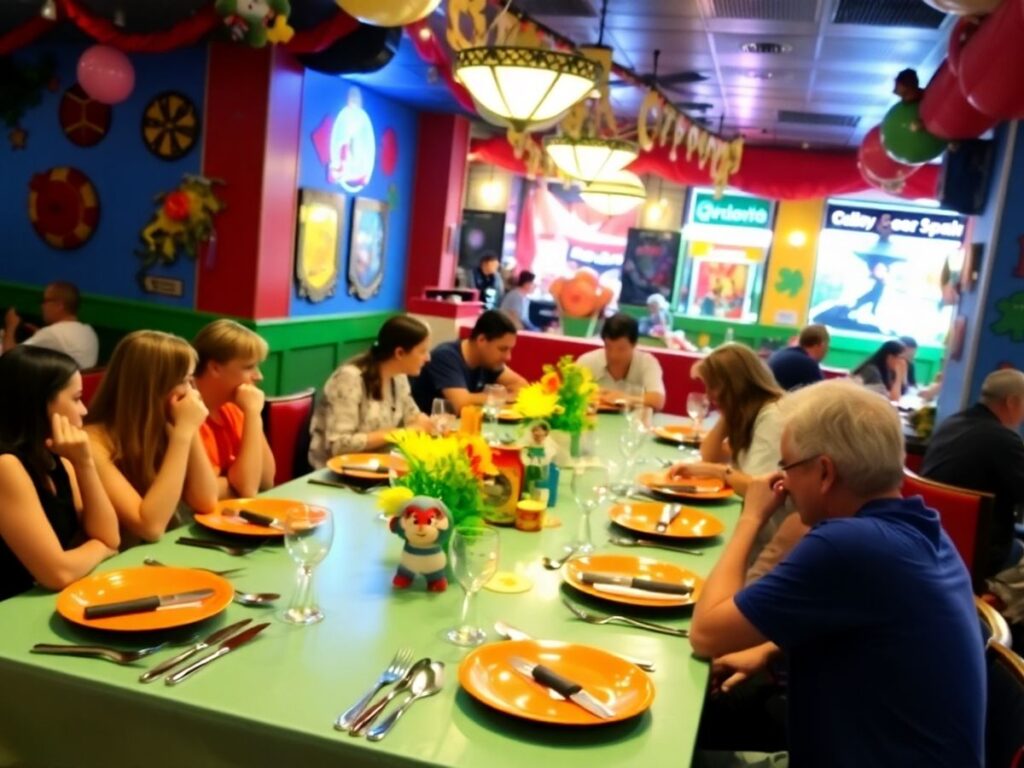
{"x": 481, "y": 232}
{"x": 367, "y": 248}
{"x": 320, "y": 232}
{"x": 649, "y": 264}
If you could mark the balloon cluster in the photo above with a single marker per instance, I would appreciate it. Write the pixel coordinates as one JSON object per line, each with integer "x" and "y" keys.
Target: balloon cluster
{"x": 974, "y": 89}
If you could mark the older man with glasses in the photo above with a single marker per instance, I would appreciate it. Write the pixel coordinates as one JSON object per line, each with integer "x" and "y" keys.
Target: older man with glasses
{"x": 872, "y": 610}
{"x": 62, "y": 330}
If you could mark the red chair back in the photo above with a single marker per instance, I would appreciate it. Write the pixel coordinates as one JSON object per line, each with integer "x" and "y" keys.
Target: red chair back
{"x": 966, "y": 515}
{"x": 286, "y": 424}
{"x": 91, "y": 379}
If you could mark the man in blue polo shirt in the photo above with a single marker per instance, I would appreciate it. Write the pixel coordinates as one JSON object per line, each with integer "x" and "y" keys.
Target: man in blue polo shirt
{"x": 872, "y": 610}
{"x": 798, "y": 366}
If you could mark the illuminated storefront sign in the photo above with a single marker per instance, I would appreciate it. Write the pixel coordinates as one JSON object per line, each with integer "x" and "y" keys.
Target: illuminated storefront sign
{"x": 933, "y": 225}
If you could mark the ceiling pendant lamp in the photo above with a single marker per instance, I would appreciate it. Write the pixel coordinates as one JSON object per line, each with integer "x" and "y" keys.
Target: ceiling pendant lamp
{"x": 615, "y": 194}
{"x": 524, "y": 88}
{"x": 589, "y": 158}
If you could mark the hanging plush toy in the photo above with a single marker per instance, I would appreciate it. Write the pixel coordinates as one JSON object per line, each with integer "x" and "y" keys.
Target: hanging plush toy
{"x": 248, "y": 21}
{"x": 422, "y": 523}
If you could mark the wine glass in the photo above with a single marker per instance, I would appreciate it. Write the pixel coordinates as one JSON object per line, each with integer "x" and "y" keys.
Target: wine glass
{"x": 308, "y": 532}
{"x": 495, "y": 395}
{"x": 697, "y": 409}
{"x": 631, "y": 440}
{"x": 590, "y": 487}
{"x": 442, "y": 416}
{"x": 474, "y": 558}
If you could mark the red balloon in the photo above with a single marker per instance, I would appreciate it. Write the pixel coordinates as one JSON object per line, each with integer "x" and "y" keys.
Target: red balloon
{"x": 873, "y": 158}
{"x": 892, "y": 186}
{"x": 946, "y": 113}
{"x": 176, "y": 206}
{"x": 991, "y": 63}
{"x": 389, "y": 151}
{"x": 962, "y": 32}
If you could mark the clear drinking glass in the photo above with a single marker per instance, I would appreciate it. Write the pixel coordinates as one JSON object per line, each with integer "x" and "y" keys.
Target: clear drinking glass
{"x": 442, "y": 416}
{"x": 308, "y": 533}
{"x": 631, "y": 440}
{"x": 496, "y": 395}
{"x": 697, "y": 409}
{"x": 474, "y": 559}
{"x": 590, "y": 487}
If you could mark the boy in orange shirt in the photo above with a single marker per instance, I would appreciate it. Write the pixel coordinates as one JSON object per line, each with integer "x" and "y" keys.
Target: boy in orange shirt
{"x": 226, "y": 377}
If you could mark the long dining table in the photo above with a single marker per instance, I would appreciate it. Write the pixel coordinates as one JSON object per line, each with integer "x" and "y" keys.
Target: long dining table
{"x": 274, "y": 701}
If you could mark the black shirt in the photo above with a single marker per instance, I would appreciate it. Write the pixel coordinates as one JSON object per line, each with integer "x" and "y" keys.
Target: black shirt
{"x": 448, "y": 369}
{"x": 59, "y": 508}
{"x": 491, "y": 288}
{"x": 794, "y": 368}
{"x": 973, "y": 449}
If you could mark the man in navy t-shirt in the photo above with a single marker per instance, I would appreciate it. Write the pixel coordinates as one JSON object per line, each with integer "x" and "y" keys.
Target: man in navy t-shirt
{"x": 798, "y": 366}
{"x": 872, "y": 609}
{"x": 459, "y": 370}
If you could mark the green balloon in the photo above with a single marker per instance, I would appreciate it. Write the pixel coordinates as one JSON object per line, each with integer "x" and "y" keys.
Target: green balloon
{"x": 905, "y": 138}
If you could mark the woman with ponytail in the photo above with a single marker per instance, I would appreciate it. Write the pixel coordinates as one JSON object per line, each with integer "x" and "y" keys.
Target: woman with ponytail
{"x": 369, "y": 395}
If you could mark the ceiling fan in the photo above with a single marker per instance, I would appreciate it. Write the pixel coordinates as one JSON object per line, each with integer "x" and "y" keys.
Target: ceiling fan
{"x": 652, "y": 79}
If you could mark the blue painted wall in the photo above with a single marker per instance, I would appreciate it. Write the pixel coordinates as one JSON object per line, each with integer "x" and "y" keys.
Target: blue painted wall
{"x": 126, "y": 175}
{"x": 323, "y": 97}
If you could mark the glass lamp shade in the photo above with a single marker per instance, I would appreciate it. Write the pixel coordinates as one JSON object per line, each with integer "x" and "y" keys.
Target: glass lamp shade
{"x": 590, "y": 158}
{"x": 525, "y": 88}
{"x": 388, "y": 13}
{"x": 615, "y": 194}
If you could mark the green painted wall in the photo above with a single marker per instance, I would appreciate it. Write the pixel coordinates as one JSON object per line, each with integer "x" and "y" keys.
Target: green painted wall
{"x": 303, "y": 351}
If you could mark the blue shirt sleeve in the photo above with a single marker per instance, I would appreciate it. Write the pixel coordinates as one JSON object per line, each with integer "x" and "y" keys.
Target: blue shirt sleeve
{"x": 816, "y": 590}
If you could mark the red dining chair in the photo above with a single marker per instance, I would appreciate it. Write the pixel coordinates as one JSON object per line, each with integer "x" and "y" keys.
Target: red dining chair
{"x": 91, "y": 379}
{"x": 966, "y": 515}
{"x": 286, "y": 424}
{"x": 1004, "y": 717}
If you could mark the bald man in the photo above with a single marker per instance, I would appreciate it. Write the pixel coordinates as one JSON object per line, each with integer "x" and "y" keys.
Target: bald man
{"x": 61, "y": 329}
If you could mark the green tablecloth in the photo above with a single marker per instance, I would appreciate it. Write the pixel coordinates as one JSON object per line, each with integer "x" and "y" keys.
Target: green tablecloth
{"x": 274, "y": 701}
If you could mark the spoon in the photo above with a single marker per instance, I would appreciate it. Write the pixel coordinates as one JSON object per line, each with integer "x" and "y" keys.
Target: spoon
{"x": 427, "y": 682}
{"x": 553, "y": 564}
{"x": 228, "y": 572}
{"x": 370, "y": 713}
{"x": 511, "y": 633}
{"x": 256, "y": 599}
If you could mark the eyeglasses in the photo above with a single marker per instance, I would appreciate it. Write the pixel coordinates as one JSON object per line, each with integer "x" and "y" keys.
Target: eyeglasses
{"x": 793, "y": 464}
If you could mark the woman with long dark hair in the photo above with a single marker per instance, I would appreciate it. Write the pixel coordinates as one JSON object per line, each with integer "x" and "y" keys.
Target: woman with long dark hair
{"x": 886, "y": 370}
{"x": 56, "y": 522}
{"x": 369, "y": 395}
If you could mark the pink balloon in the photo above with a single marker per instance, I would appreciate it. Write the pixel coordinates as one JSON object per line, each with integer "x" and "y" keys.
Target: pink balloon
{"x": 106, "y": 74}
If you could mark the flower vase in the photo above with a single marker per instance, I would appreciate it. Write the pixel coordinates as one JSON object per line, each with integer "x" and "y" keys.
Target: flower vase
{"x": 570, "y": 447}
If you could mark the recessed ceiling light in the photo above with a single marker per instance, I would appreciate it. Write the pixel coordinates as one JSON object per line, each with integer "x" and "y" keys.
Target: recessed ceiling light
{"x": 760, "y": 74}
{"x": 766, "y": 47}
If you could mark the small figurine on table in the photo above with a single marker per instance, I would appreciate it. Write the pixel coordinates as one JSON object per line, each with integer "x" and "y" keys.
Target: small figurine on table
{"x": 422, "y": 522}
{"x": 538, "y": 457}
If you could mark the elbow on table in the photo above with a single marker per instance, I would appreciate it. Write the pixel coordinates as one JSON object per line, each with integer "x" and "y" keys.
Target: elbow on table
{"x": 56, "y": 578}
{"x": 703, "y": 645}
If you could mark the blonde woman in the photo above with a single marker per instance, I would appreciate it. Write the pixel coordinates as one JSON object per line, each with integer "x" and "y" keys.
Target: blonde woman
{"x": 745, "y": 441}
{"x": 144, "y": 428}
{"x": 227, "y": 373}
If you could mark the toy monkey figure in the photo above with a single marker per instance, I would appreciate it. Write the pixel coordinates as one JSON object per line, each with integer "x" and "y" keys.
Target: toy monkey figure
{"x": 422, "y": 522}
{"x": 908, "y": 87}
{"x": 248, "y": 20}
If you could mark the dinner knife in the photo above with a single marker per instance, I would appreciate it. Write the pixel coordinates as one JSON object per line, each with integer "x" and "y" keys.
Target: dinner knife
{"x": 678, "y": 488}
{"x": 257, "y": 519}
{"x": 570, "y": 690}
{"x": 636, "y": 582}
{"x": 166, "y": 666}
{"x": 668, "y": 515}
{"x": 225, "y": 648}
{"x": 145, "y": 604}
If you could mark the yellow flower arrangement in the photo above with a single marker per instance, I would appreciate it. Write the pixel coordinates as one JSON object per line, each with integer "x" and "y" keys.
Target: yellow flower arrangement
{"x": 562, "y": 397}
{"x": 448, "y": 468}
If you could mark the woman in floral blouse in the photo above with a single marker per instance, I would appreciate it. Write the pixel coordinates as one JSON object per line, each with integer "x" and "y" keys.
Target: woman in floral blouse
{"x": 369, "y": 395}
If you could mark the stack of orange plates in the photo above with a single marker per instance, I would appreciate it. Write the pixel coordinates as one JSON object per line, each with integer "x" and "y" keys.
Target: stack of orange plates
{"x": 225, "y": 518}
{"x": 632, "y": 567}
{"x": 681, "y": 434}
{"x": 709, "y": 488}
{"x": 487, "y": 676}
{"x": 643, "y": 516}
{"x": 133, "y": 583}
{"x": 366, "y": 466}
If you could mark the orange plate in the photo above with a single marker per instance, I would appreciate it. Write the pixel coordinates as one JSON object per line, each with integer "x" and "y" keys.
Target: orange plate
{"x": 629, "y": 565}
{"x": 132, "y": 583}
{"x": 339, "y": 464}
{"x": 678, "y": 433}
{"x": 226, "y": 520}
{"x": 642, "y": 516}
{"x": 509, "y": 415}
{"x": 716, "y": 489}
{"x": 487, "y": 676}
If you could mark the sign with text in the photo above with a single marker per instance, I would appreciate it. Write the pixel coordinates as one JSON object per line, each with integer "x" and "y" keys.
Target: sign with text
{"x": 731, "y": 210}
{"x": 932, "y": 225}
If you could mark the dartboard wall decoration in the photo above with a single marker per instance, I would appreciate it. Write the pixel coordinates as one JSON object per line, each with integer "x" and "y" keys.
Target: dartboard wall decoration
{"x": 63, "y": 207}
{"x": 170, "y": 125}
{"x": 84, "y": 120}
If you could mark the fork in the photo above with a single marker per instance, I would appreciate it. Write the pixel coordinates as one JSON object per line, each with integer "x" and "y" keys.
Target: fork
{"x": 399, "y": 665}
{"x": 98, "y": 651}
{"x": 228, "y": 572}
{"x": 593, "y": 618}
{"x": 227, "y": 549}
{"x": 631, "y": 541}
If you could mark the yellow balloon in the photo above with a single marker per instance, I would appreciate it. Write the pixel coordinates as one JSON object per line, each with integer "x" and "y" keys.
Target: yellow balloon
{"x": 965, "y": 7}
{"x": 388, "y": 13}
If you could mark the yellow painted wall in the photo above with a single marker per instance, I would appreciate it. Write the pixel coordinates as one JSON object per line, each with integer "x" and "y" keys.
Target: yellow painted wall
{"x": 787, "y": 287}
